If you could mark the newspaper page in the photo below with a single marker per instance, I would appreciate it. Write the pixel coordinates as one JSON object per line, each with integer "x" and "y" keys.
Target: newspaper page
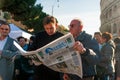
{"x": 59, "y": 55}
{"x": 31, "y": 54}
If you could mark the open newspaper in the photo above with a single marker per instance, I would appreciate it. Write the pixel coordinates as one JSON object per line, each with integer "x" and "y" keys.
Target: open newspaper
{"x": 58, "y": 55}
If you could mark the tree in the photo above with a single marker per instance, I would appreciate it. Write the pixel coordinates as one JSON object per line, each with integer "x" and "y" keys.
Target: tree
{"x": 27, "y": 12}
{"x": 36, "y": 19}
{"x": 5, "y": 3}
{"x": 7, "y": 15}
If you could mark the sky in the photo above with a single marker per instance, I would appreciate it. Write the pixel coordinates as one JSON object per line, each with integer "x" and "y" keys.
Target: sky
{"x": 66, "y": 10}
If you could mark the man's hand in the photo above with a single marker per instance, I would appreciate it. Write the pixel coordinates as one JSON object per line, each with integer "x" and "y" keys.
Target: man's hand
{"x": 66, "y": 77}
{"x": 78, "y": 46}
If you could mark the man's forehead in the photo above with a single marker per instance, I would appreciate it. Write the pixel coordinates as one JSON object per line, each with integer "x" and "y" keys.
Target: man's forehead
{"x": 5, "y": 26}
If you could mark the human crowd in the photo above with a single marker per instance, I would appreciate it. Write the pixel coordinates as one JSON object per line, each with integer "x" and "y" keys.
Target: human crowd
{"x": 100, "y": 53}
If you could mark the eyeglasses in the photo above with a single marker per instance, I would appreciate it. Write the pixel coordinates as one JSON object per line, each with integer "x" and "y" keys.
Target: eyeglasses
{"x": 4, "y": 29}
{"x": 72, "y": 25}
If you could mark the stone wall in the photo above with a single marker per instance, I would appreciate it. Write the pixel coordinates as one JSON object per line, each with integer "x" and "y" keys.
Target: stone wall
{"x": 110, "y": 16}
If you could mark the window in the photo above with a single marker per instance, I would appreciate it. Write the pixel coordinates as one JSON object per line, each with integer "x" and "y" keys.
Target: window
{"x": 114, "y": 28}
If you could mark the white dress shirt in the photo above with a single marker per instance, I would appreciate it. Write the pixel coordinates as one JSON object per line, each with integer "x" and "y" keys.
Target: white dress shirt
{"x": 2, "y": 43}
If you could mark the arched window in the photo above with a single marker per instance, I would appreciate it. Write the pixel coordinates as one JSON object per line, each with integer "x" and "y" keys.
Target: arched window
{"x": 115, "y": 8}
{"x": 109, "y": 28}
{"x": 114, "y": 28}
{"x": 110, "y": 13}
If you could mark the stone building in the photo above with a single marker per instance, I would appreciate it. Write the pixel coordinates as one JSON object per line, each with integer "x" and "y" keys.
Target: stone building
{"x": 110, "y": 16}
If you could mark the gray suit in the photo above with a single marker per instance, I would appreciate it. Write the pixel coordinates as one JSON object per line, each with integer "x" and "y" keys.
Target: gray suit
{"x": 6, "y": 60}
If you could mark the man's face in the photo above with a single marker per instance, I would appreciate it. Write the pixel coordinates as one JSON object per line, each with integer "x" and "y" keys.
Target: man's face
{"x": 103, "y": 40}
{"x": 50, "y": 28}
{"x": 22, "y": 42}
{"x": 98, "y": 38}
{"x": 4, "y": 30}
{"x": 74, "y": 28}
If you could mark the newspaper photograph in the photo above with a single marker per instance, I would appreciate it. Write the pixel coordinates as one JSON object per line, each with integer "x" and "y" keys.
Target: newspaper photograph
{"x": 58, "y": 55}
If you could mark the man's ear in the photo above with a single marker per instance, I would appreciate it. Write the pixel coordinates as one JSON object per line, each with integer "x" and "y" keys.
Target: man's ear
{"x": 56, "y": 25}
{"x": 81, "y": 27}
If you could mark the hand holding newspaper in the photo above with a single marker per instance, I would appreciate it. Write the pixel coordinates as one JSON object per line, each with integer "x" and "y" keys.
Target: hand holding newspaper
{"x": 58, "y": 55}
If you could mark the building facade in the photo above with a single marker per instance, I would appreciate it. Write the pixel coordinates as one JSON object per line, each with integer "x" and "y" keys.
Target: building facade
{"x": 110, "y": 16}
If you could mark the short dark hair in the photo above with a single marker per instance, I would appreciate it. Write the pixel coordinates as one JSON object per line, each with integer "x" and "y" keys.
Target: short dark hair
{"x": 99, "y": 33}
{"x": 117, "y": 40}
{"x": 49, "y": 19}
{"x": 4, "y": 23}
{"x": 21, "y": 37}
{"x": 32, "y": 37}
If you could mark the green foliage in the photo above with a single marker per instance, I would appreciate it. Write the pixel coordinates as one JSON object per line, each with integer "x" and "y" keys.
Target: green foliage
{"x": 25, "y": 11}
{"x": 21, "y": 10}
{"x": 17, "y": 6}
{"x": 7, "y": 15}
{"x": 28, "y": 14}
{"x": 35, "y": 23}
{"x": 5, "y": 3}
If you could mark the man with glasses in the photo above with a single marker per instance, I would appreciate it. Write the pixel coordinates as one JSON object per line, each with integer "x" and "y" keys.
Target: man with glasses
{"x": 7, "y": 53}
{"x": 88, "y": 48}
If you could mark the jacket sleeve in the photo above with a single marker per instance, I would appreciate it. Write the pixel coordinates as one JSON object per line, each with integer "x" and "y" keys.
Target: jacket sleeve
{"x": 92, "y": 54}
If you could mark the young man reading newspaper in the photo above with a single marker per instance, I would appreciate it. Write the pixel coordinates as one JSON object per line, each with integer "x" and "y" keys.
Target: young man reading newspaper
{"x": 41, "y": 39}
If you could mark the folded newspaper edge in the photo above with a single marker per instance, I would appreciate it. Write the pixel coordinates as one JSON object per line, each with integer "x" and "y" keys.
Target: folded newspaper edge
{"x": 58, "y": 55}
{"x": 19, "y": 47}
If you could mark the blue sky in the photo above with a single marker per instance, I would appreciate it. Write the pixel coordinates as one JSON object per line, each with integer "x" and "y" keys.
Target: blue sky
{"x": 66, "y": 10}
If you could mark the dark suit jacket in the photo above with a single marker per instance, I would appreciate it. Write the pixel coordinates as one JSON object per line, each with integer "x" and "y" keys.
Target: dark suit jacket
{"x": 6, "y": 60}
{"x": 42, "y": 72}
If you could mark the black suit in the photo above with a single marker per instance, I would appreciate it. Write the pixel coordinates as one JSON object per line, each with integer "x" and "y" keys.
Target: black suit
{"x": 42, "y": 72}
